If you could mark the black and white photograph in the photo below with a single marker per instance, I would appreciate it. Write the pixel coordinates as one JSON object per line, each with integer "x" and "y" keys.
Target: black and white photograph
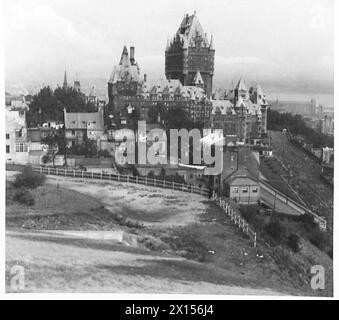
{"x": 173, "y": 147}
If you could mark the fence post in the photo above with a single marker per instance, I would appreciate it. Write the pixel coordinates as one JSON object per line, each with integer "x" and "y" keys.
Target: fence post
{"x": 57, "y": 173}
{"x": 118, "y": 176}
{"x": 146, "y": 181}
{"x": 92, "y": 174}
{"x": 173, "y": 185}
{"x": 40, "y": 169}
{"x": 136, "y": 179}
{"x": 47, "y": 170}
{"x": 164, "y": 183}
{"x": 255, "y": 240}
{"x": 154, "y": 182}
{"x": 127, "y": 178}
{"x": 74, "y": 173}
{"x": 82, "y": 174}
{"x": 65, "y": 172}
{"x": 101, "y": 175}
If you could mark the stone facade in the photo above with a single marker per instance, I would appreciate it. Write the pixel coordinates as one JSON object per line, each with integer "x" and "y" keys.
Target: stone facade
{"x": 190, "y": 53}
{"x": 132, "y": 96}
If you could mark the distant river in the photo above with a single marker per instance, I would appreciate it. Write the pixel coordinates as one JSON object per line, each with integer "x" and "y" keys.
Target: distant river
{"x": 327, "y": 100}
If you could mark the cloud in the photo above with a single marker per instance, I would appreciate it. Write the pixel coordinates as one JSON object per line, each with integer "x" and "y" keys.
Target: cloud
{"x": 41, "y": 19}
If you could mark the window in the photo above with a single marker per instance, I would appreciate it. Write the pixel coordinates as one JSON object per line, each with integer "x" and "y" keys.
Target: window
{"x": 7, "y": 149}
{"x": 235, "y": 190}
{"x": 20, "y": 147}
{"x": 255, "y": 190}
{"x": 244, "y": 190}
{"x": 7, "y": 135}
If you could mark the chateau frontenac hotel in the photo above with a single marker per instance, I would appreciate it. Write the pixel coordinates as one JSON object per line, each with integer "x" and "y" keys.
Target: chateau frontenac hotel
{"x": 188, "y": 84}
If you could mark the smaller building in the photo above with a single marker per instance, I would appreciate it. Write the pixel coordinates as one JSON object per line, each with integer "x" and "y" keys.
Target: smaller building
{"x": 82, "y": 125}
{"x": 16, "y": 137}
{"x": 243, "y": 187}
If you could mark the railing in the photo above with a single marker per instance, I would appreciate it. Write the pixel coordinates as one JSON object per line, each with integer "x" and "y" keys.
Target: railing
{"x": 66, "y": 172}
{"x": 235, "y": 218}
{"x": 297, "y": 206}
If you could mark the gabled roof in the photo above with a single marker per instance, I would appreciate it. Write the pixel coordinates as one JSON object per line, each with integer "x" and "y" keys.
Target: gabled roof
{"x": 241, "y": 85}
{"x": 198, "y": 78}
{"x": 242, "y": 175}
{"x": 240, "y": 103}
{"x": 189, "y": 29}
{"x": 125, "y": 70}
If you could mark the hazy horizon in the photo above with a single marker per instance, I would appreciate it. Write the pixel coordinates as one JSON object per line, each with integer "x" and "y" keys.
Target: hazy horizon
{"x": 287, "y": 46}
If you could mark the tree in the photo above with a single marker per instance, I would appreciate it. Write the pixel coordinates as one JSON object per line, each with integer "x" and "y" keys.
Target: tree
{"x": 49, "y": 105}
{"x": 56, "y": 143}
{"x": 297, "y": 126}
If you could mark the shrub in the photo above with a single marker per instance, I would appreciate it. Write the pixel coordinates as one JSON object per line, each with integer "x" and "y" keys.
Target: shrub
{"x": 29, "y": 178}
{"x": 308, "y": 222}
{"x": 294, "y": 242}
{"x": 23, "y": 196}
{"x": 275, "y": 229}
{"x": 319, "y": 238}
{"x": 249, "y": 213}
{"x": 45, "y": 159}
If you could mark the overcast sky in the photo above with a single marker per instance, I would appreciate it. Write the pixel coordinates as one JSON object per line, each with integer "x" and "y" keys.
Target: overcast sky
{"x": 270, "y": 41}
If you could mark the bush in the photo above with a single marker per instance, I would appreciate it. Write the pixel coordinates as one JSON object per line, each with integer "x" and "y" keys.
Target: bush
{"x": 294, "y": 242}
{"x": 29, "y": 178}
{"x": 23, "y": 196}
{"x": 319, "y": 238}
{"x": 275, "y": 229}
{"x": 45, "y": 159}
{"x": 249, "y": 213}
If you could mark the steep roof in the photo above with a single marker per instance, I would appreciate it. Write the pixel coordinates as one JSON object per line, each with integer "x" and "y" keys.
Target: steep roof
{"x": 125, "y": 70}
{"x": 190, "y": 28}
{"x": 65, "y": 80}
{"x": 241, "y": 176}
{"x": 241, "y": 85}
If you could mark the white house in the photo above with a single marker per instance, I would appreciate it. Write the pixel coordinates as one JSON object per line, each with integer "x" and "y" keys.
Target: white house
{"x": 16, "y": 137}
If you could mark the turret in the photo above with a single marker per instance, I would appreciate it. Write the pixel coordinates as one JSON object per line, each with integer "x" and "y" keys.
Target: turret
{"x": 64, "y": 85}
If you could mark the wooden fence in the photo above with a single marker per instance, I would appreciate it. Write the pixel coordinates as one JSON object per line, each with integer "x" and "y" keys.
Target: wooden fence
{"x": 66, "y": 172}
{"x": 236, "y": 218}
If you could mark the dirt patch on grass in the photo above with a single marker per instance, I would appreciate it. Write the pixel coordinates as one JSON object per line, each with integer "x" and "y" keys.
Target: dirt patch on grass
{"x": 152, "y": 207}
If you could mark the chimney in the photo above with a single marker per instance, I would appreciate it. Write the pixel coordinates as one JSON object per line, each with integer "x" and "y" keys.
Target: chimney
{"x": 145, "y": 77}
{"x": 131, "y": 53}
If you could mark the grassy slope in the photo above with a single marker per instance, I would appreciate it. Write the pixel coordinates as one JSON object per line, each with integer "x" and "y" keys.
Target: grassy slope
{"x": 225, "y": 256}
